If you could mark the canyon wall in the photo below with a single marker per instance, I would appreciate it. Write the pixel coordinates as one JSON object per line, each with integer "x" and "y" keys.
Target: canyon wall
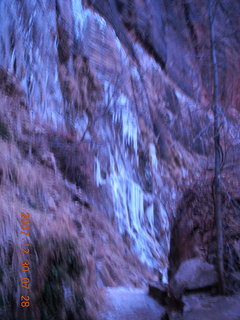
{"x": 131, "y": 81}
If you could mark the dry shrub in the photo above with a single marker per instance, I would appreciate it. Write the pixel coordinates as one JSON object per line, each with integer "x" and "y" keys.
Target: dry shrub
{"x": 8, "y": 84}
{"x": 24, "y": 178}
{"x": 81, "y": 91}
{"x": 9, "y": 158}
{"x": 57, "y": 267}
{"x": 58, "y": 254}
{"x": 74, "y": 159}
{"x": 13, "y": 117}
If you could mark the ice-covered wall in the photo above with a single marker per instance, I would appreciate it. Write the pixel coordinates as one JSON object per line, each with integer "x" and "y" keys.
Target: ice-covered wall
{"x": 139, "y": 184}
{"x": 28, "y": 49}
{"x": 133, "y": 208}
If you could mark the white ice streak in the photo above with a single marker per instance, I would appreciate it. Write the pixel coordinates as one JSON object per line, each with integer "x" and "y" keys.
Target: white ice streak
{"x": 129, "y": 198}
{"x": 81, "y": 19}
{"x": 150, "y": 217}
{"x": 127, "y": 195}
{"x": 122, "y": 114}
{"x": 120, "y": 108}
{"x": 153, "y": 156}
{"x": 97, "y": 172}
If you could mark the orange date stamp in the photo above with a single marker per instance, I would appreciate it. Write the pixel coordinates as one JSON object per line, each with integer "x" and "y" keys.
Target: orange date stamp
{"x": 25, "y": 264}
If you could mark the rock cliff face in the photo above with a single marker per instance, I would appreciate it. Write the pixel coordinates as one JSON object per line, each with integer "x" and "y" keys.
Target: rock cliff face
{"x": 177, "y": 36}
{"x": 131, "y": 82}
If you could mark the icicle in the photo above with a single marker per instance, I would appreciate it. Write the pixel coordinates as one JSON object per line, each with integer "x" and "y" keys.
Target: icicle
{"x": 128, "y": 200}
{"x": 150, "y": 217}
{"x": 81, "y": 16}
{"x": 98, "y": 177}
{"x": 122, "y": 114}
{"x": 153, "y": 156}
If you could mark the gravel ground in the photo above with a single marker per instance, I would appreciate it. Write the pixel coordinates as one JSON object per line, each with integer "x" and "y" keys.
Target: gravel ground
{"x": 203, "y": 307}
{"x": 129, "y": 304}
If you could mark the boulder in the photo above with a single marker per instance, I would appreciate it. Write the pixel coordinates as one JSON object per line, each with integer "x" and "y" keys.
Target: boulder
{"x": 195, "y": 274}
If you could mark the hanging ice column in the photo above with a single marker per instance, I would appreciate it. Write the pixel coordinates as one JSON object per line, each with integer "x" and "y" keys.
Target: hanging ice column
{"x": 127, "y": 194}
{"x": 128, "y": 199}
{"x": 79, "y": 17}
{"x": 97, "y": 172}
{"x": 122, "y": 114}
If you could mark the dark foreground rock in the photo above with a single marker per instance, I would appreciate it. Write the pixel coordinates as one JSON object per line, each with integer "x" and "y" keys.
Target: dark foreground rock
{"x": 192, "y": 274}
{"x": 159, "y": 292}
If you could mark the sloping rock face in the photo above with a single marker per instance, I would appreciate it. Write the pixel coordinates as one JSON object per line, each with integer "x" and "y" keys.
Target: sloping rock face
{"x": 177, "y": 36}
{"x": 129, "y": 80}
